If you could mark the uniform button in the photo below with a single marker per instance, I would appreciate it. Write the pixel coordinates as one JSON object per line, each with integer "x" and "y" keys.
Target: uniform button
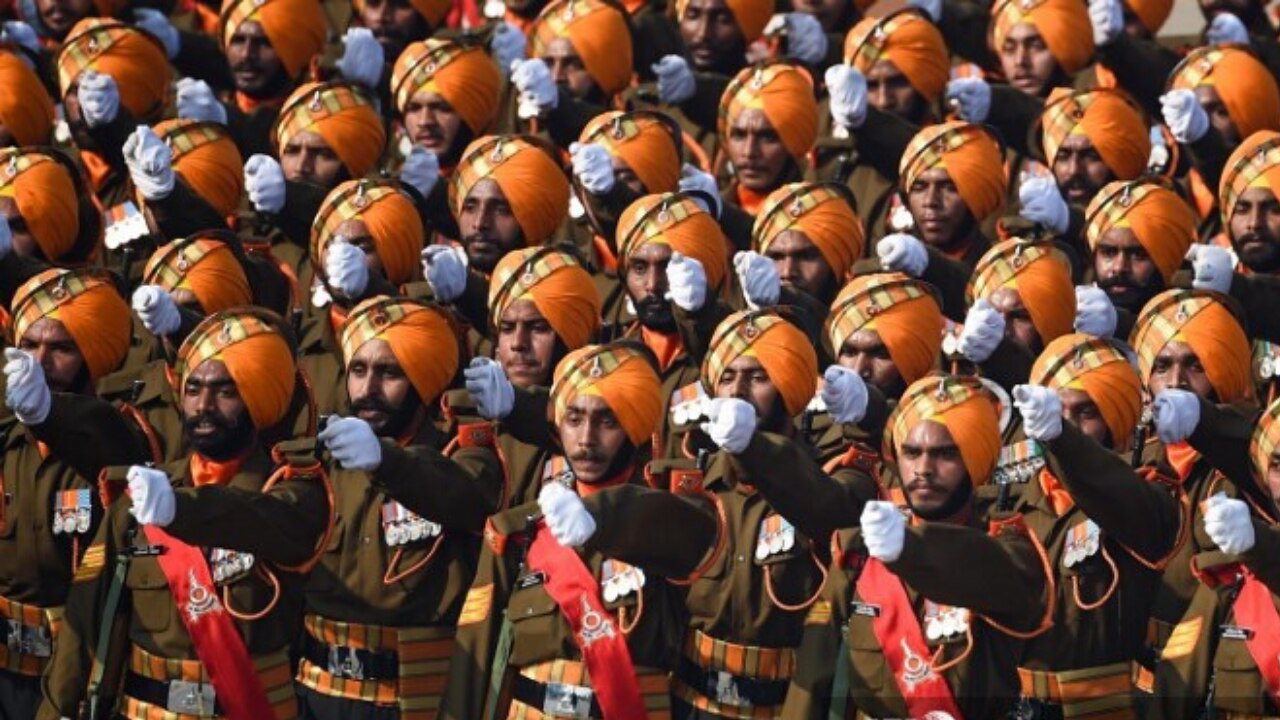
{"x": 742, "y": 558}
{"x": 528, "y": 611}
{"x": 365, "y": 540}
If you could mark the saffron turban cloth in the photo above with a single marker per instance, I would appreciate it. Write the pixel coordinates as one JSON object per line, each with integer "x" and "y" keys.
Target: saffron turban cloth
{"x": 1041, "y": 275}
{"x": 45, "y": 194}
{"x": 1108, "y": 118}
{"x": 556, "y": 283}
{"x": 133, "y": 58}
{"x": 676, "y": 220}
{"x": 621, "y": 375}
{"x": 751, "y": 15}
{"x": 340, "y": 114}
{"x": 598, "y": 32}
{"x": 1266, "y": 434}
{"x": 969, "y": 154}
{"x": 1255, "y": 164}
{"x": 1247, "y": 88}
{"x": 1098, "y": 368}
{"x": 26, "y": 109}
{"x": 297, "y": 29}
{"x": 648, "y": 145}
{"x": 423, "y": 339}
{"x": 205, "y": 266}
{"x": 1163, "y": 222}
{"x": 389, "y": 216}
{"x": 782, "y": 349}
{"x": 1203, "y": 322}
{"x": 531, "y": 179}
{"x": 902, "y": 310}
{"x": 911, "y": 42}
{"x": 433, "y": 11}
{"x": 965, "y": 407}
{"x": 819, "y": 211}
{"x": 207, "y": 160}
{"x": 1151, "y": 13}
{"x": 1064, "y": 25}
{"x": 464, "y": 75}
{"x": 88, "y": 306}
{"x": 258, "y": 358}
{"x": 784, "y": 93}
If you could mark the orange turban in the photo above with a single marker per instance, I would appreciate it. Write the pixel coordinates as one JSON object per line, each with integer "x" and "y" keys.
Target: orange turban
{"x": 1108, "y": 118}
{"x": 1266, "y": 435}
{"x": 961, "y": 404}
{"x": 1254, "y": 164}
{"x": 133, "y": 58}
{"x": 558, "y": 286}
{"x": 784, "y": 93}
{"x": 619, "y": 374}
{"x": 903, "y": 311}
{"x": 1246, "y": 87}
{"x": 207, "y": 160}
{"x": 297, "y": 29}
{"x": 25, "y": 107}
{"x": 1041, "y": 275}
{"x": 1202, "y": 321}
{"x": 464, "y": 75}
{"x": 1064, "y": 25}
{"x": 205, "y": 266}
{"x": 342, "y": 116}
{"x": 911, "y": 42}
{"x": 1151, "y": 13}
{"x": 88, "y": 306}
{"x": 1163, "y": 222}
{"x": 784, "y": 351}
{"x": 645, "y": 141}
{"x": 969, "y": 154}
{"x": 1098, "y": 368}
{"x": 390, "y": 217}
{"x": 821, "y": 212}
{"x": 422, "y": 338}
{"x": 599, "y": 33}
{"x": 258, "y": 358}
{"x": 532, "y": 180}
{"x": 751, "y": 15}
{"x": 679, "y": 221}
{"x": 45, "y": 194}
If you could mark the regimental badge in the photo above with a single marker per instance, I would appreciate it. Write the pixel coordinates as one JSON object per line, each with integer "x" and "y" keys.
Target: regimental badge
{"x": 689, "y": 404}
{"x": 915, "y": 669}
{"x": 1083, "y": 541}
{"x": 72, "y": 511}
{"x": 776, "y": 536}
{"x": 1019, "y": 463}
{"x": 200, "y": 599}
{"x": 401, "y": 527}
{"x": 228, "y": 566}
{"x": 943, "y": 623}
{"x": 618, "y": 580}
{"x": 595, "y": 626}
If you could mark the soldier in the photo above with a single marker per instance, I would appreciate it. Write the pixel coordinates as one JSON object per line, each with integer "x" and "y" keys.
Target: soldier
{"x": 398, "y": 23}
{"x": 41, "y": 204}
{"x": 812, "y": 235}
{"x": 1248, "y": 205}
{"x": 905, "y": 62}
{"x": 26, "y": 112}
{"x": 1040, "y": 45}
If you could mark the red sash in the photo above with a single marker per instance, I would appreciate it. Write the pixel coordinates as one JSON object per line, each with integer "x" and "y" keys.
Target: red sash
{"x": 1256, "y": 610}
{"x": 902, "y": 642}
{"x": 604, "y": 647}
{"x": 218, "y": 644}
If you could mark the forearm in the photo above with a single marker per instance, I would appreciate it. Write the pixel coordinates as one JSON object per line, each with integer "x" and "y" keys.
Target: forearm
{"x": 457, "y": 492}
{"x": 280, "y": 526}
{"x": 89, "y": 434}
{"x": 625, "y": 520}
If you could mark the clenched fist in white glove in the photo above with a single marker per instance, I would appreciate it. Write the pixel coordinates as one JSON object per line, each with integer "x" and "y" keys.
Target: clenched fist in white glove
{"x": 983, "y": 331}
{"x": 26, "y": 392}
{"x": 1212, "y": 268}
{"x": 421, "y": 170}
{"x": 507, "y": 46}
{"x": 196, "y": 101}
{"x": 344, "y": 265}
{"x": 971, "y": 98}
{"x": 1107, "y": 19}
{"x": 593, "y": 166}
{"x": 566, "y": 517}
{"x": 848, "y": 92}
{"x": 1183, "y": 115}
{"x": 693, "y": 179}
{"x": 157, "y": 23}
{"x": 1042, "y": 203}
{"x": 903, "y": 253}
{"x": 157, "y": 310}
{"x": 150, "y": 163}
{"x": 488, "y": 385}
{"x": 99, "y": 98}
{"x": 675, "y": 80}
{"x": 884, "y": 530}
{"x": 1226, "y": 29}
{"x": 1229, "y": 524}
{"x": 806, "y": 40}
{"x": 1041, "y": 411}
{"x": 362, "y": 57}
{"x": 845, "y": 394}
{"x": 538, "y": 93}
{"x": 732, "y": 423}
{"x": 759, "y": 278}
{"x": 445, "y": 268}
{"x": 152, "y": 496}
{"x": 264, "y": 183}
{"x": 686, "y": 282}
{"x": 1176, "y": 414}
{"x": 1095, "y": 315}
{"x": 24, "y": 36}
{"x": 352, "y": 442}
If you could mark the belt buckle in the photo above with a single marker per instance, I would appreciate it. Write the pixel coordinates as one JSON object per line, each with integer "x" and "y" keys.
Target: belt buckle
{"x": 191, "y": 698}
{"x": 723, "y": 686}
{"x": 344, "y": 663}
{"x": 567, "y": 701}
{"x": 28, "y": 640}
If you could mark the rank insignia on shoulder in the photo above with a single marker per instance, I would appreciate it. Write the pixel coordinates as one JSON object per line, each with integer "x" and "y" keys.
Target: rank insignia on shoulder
{"x": 1083, "y": 541}
{"x": 776, "y": 536}
{"x": 688, "y": 404}
{"x": 1018, "y": 463}
{"x": 478, "y": 434}
{"x": 618, "y": 580}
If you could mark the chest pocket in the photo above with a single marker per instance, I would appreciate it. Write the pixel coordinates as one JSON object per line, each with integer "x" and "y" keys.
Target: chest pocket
{"x": 1238, "y": 684}
{"x": 153, "y": 605}
{"x": 866, "y": 660}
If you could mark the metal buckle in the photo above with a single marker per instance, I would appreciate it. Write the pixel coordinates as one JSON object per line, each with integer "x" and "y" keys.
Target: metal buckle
{"x": 567, "y": 701}
{"x": 30, "y": 641}
{"x": 723, "y": 686}
{"x": 344, "y": 663}
{"x": 191, "y": 698}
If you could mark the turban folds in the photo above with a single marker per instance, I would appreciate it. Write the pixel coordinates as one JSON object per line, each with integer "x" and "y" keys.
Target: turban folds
{"x": 1108, "y": 118}
{"x": 465, "y": 76}
{"x": 1163, "y": 222}
{"x": 1200, "y": 320}
{"x": 1098, "y": 368}
{"x": 1064, "y": 25}
{"x": 422, "y": 338}
{"x": 1266, "y": 434}
{"x": 822, "y": 213}
{"x": 205, "y": 266}
{"x": 25, "y": 108}
{"x": 258, "y": 358}
{"x": 965, "y": 407}
{"x": 644, "y": 141}
{"x": 88, "y": 306}
{"x": 1255, "y": 164}
{"x": 1246, "y": 87}
{"x": 342, "y": 116}
{"x": 207, "y": 159}
{"x": 911, "y": 42}
{"x": 680, "y": 222}
{"x": 45, "y": 194}
{"x": 134, "y": 59}
{"x": 620, "y": 375}
{"x": 1040, "y": 274}
{"x": 969, "y": 154}
{"x": 903, "y": 311}
{"x": 782, "y": 349}
{"x": 297, "y": 29}
{"x": 532, "y": 181}
{"x": 598, "y": 32}
{"x": 389, "y": 216}
{"x": 751, "y": 15}
{"x": 558, "y": 286}
{"x": 784, "y": 93}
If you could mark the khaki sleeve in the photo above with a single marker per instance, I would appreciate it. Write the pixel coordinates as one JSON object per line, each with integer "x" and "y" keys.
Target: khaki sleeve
{"x": 458, "y": 491}
{"x": 625, "y": 520}
{"x": 281, "y": 526}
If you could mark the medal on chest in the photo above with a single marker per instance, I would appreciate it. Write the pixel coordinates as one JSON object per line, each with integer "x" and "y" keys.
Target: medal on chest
{"x": 618, "y": 580}
{"x": 401, "y": 527}
{"x": 228, "y": 566}
{"x": 1019, "y": 463}
{"x": 776, "y": 536}
{"x": 1083, "y": 541}
{"x": 72, "y": 510}
{"x": 943, "y": 623}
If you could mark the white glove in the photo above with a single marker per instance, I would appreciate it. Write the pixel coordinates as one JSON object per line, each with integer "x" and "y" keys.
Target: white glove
{"x": 150, "y": 163}
{"x": 507, "y": 46}
{"x": 971, "y": 98}
{"x": 1095, "y": 315}
{"x": 152, "y": 496}
{"x": 732, "y": 423}
{"x": 686, "y": 282}
{"x": 899, "y": 252}
{"x": 362, "y": 57}
{"x": 1225, "y": 29}
{"x": 445, "y": 268}
{"x": 538, "y": 93}
{"x": 883, "y": 530}
{"x": 692, "y": 179}
{"x": 982, "y": 333}
{"x": 344, "y": 264}
{"x": 1176, "y": 412}
{"x": 1212, "y": 268}
{"x": 1041, "y": 411}
{"x": 1107, "y": 19}
{"x": 99, "y": 98}
{"x": 758, "y": 277}
{"x": 848, "y": 92}
{"x": 845, "y": 394}
{"x": 24, "y": 36}
{"x": 1183, "y": 115}
{"x": 1042, "y": 203}
{"x": 156, "y": 23}
{"x": 6, "y": 238}
{"x": 488, "y": 385}
{"x": 264, "y": 183}
{"x": 567, "y": 518}
{"x": 421, "y": 170}
{"x": 27, "y": 392}
{"x": 197, "y": 102}
{"x": 932, "y": 8}
{"x": 1229, "y": 524}
{"x": 157, "y": 310}
{"x": 675, "y": 80}
{"x": 806, "y": 40}
{"x": 593, "y": 166}
{"x": 352, "y": 442}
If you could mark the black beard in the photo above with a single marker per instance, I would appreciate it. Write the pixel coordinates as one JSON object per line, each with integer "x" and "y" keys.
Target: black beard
{"x": 1138, "y": 294}
{"x": 229, "y": 440}
{"x": 655, "y": 313}
{"x": 398, "y": 418}
{"x": 952, "y": 506}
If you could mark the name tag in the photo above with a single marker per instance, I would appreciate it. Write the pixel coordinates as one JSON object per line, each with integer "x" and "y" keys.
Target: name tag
{"x": 865, "y": 609}
{"x": 529, "y": 580}
{"x": 1235, "y": 632}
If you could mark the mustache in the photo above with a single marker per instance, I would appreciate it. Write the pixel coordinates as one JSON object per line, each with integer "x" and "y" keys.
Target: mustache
{"x": 586, "y": 456}
{"x": 215, "y": 420}
{"x": 651, "y": 303}
{"x": 1122, "y": 280}
{"x": 372, "y": 403}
